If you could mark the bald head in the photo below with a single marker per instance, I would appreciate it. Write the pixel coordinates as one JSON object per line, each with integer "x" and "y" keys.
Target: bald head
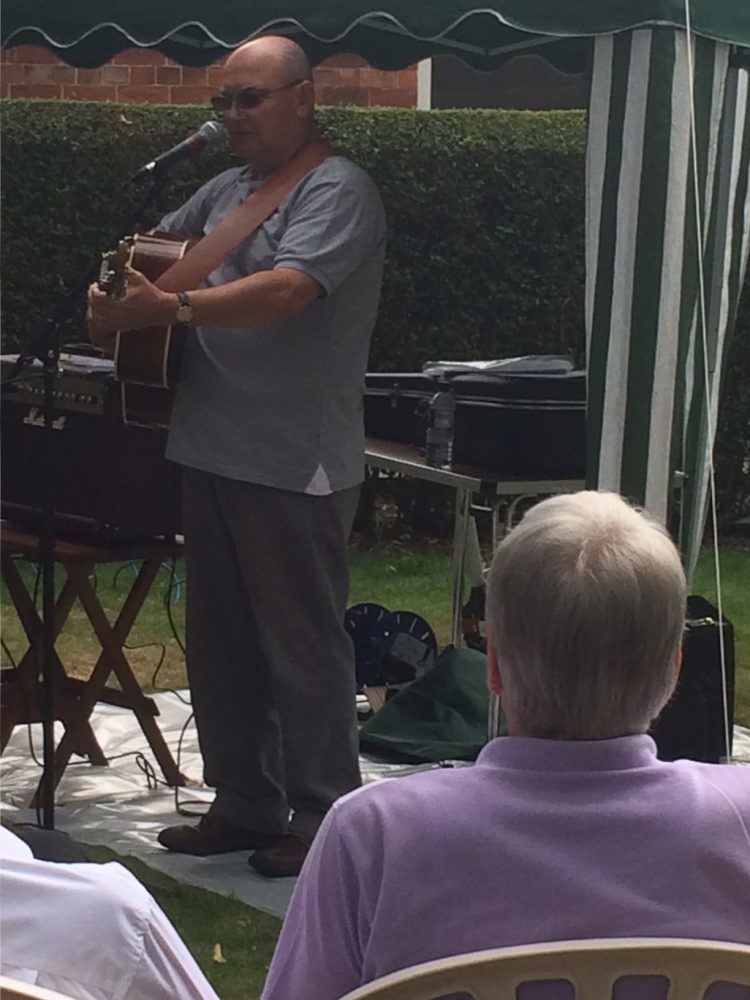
{"x": 280, "y": 116}
{"x": 272, "y": 53}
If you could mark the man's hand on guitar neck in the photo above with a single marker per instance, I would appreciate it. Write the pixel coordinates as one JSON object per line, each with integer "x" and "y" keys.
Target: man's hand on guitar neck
{"x": 143, "y": 305}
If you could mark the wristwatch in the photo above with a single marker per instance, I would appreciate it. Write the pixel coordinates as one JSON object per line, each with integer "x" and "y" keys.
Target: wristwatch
{"x": 184, "y": 309}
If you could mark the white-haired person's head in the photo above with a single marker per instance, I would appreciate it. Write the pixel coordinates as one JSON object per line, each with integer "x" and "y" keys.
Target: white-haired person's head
{"x": 586, "y": 611}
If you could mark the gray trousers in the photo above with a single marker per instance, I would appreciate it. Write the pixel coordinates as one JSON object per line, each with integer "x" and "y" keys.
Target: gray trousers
{"x": 270, "y": 666}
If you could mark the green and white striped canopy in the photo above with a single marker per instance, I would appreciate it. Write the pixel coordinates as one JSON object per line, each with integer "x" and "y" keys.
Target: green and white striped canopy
{"x": 668, "y": 228}
{"x": 668, "y": 195}
{"x": 389, "y": 34}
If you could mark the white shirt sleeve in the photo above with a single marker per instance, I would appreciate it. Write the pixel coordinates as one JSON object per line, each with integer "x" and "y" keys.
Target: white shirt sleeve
{"x": 167, "y": 969}
{"x": 89, "y": 930}
{"x": 12, "y": 847}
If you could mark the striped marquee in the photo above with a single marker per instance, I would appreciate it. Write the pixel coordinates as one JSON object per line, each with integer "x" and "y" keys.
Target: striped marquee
{"x": 668, "y": 229}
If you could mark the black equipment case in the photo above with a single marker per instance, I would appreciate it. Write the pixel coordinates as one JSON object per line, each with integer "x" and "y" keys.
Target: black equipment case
{"x": 517, "y": 423}
{"x": 108, "y": 480}
{"x": 692, "y": 723}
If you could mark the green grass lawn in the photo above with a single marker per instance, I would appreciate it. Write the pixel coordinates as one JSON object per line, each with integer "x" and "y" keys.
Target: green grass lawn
{"x": 395, "y": 575}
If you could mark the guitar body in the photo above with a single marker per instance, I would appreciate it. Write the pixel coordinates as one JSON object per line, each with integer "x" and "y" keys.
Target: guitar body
{"x": 147, "y": 361}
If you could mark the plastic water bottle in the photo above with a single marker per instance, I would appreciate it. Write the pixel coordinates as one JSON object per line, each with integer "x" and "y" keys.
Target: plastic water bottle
{"x": 440, "y": 426}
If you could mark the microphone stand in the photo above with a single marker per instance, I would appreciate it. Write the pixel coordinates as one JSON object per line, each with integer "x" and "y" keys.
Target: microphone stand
{"x": 45, "y": 346}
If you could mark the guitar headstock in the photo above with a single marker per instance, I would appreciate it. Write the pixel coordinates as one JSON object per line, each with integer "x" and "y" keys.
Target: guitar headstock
{"x": 112, "y": 278}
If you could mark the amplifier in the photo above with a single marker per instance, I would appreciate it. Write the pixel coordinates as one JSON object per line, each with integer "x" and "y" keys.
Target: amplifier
{"x": 107, "y": 480}
{"x": 692, "y": 724}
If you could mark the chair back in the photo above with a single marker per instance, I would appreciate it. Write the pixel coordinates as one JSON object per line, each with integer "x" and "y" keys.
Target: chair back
{"x": 592, "y": 967}
{"x": 14, "y": 989}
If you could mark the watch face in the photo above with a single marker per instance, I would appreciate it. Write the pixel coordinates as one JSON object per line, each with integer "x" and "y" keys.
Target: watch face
{"x": 184, "y": 314}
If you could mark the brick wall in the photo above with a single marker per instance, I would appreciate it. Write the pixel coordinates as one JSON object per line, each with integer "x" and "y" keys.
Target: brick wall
{"x": 146, "y": 75}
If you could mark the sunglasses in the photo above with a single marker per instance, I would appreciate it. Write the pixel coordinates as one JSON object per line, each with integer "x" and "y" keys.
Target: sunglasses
{"x": 248, "y": 97}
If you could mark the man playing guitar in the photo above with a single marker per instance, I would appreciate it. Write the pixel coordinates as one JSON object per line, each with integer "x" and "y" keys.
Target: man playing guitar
{"x": 267, "y": 424}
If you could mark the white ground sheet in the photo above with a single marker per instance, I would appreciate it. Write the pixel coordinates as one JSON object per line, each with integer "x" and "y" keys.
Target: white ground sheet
{"x": 114, "y": 806}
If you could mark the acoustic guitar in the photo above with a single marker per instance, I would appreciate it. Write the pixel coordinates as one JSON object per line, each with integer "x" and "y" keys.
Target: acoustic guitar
{"x": 147, "y": 361}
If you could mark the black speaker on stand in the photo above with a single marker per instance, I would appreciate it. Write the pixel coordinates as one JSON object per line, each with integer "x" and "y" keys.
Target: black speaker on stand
{"x": 692, "y": 724}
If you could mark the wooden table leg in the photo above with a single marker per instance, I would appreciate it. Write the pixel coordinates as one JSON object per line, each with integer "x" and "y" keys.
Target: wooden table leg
{"x": 29, "y": 668}
{"x": 75, "y": 698}
{"x": 113, "y": 659}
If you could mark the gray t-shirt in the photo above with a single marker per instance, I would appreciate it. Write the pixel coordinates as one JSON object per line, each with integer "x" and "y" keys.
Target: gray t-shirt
{"x": 280, "y": 404}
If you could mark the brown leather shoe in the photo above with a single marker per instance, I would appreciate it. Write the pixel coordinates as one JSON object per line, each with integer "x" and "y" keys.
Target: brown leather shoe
{"x": 213, "y": 835}
{"x": 284, "y": 857}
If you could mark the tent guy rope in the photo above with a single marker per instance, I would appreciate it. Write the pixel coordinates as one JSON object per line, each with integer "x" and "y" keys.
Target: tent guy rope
{"x": 707, "y": 381}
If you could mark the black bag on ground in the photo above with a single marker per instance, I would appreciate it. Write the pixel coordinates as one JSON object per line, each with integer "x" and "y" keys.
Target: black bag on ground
{"x": 441, "y": 716}
{"x": 691, "y": 725}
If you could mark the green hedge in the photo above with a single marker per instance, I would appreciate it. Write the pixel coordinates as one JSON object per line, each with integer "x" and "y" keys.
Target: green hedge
{"x": 485, "y": 212}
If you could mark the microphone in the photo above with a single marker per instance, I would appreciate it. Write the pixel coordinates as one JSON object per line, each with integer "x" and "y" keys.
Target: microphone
{"x": 209, "y": 133}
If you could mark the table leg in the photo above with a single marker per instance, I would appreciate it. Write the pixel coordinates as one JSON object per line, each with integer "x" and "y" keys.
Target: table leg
{"x": 29, "y": 669}
{"x": 27, "y": 613}
{"x": 493, "y": 716}
{"x": 111, "y": 639}
{"x": 460, "y": 536}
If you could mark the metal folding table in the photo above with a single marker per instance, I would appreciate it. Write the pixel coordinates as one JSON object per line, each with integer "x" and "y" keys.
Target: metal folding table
{"x": 467, "y": 482}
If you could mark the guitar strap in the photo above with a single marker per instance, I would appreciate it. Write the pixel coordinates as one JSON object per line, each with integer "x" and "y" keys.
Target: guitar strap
{"x": 204, "y": 256}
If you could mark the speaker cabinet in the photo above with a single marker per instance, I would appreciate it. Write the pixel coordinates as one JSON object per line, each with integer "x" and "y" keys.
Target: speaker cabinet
{"x": 692, "y": 724}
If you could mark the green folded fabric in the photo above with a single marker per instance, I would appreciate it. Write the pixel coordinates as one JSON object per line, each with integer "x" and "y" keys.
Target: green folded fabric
{"x": 440, "y": 716}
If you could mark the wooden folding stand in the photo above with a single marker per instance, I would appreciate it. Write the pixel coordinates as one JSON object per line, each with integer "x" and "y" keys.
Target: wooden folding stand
{"x": 75, "y": 699}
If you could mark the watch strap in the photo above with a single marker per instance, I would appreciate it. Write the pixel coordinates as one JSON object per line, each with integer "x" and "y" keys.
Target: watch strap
{"x": 184, "y": 313}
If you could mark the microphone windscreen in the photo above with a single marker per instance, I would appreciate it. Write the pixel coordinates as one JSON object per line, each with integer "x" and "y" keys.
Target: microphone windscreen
{"x": 211, "y": 132}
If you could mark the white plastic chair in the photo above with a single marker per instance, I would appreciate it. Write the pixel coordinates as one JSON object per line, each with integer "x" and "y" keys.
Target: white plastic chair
{"x": 14, "y": 989}
{"x": 592, "y": 967}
